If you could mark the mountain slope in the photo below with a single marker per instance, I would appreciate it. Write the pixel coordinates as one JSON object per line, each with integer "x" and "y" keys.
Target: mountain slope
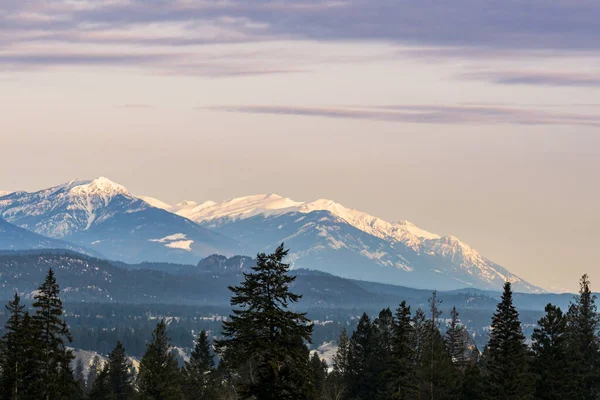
{"x": 15, "y": 238}
{"x": 328, "y": 236}
{"x": 105, "y": 217}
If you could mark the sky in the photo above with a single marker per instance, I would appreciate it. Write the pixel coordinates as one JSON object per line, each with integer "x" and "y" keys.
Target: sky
{"x": 476, "y": 119}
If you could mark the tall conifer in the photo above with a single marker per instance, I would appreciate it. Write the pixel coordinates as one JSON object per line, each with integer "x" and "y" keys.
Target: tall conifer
{"x": 507, "y": 357}
{"x": 263, "y": 340}
{"x": 56, "y": 380}
{"x": 158, "y": 378}
{"x": 549, "y": 345}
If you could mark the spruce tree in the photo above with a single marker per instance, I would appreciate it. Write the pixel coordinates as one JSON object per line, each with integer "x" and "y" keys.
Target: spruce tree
{"x": 93, "y": 372}
{"x": 382, "y": 357}
{"x": 100, "y": 390}
{"x": 549, "y": 345}
{"x": 582, "y": 328}
{"x": 359, "y": 378}
{"x": 336, "y": 380}
{"x": 199, "y": 380}
{"x": 318, "y": 370}
{"x": 508, "y": 376}
{"x": 264, "y": 342}
{"x": 13, "y": 351}
{"x": 158, "y": 378}
{"x": 79, "y": 378}
{"x": 120, "y": 379}
{"x": 56, "y": 381}
{"x": 456, "y": 340}
{"x": 473, "y": 387}
{"x": 403, "y": 355}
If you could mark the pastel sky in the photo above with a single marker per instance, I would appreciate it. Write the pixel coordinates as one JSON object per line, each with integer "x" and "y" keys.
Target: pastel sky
{"x": 477, "y": 119}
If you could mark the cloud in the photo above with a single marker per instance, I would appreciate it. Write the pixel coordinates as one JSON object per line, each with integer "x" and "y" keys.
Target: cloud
{"x": 426, "y": 114}
{"x": 544, "y": 78}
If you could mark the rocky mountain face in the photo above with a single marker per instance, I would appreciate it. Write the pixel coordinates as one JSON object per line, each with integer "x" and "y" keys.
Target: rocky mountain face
{"x": 327, "y": 236}
{"x": 104, "y": 217}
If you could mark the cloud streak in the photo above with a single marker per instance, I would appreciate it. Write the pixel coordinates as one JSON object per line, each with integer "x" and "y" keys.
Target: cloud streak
{"x": 426, "y": 114}
{"x": 543, "y": 78}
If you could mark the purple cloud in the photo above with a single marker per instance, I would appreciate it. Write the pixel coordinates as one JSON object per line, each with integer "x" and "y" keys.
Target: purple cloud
{"x": 427, "y": 114}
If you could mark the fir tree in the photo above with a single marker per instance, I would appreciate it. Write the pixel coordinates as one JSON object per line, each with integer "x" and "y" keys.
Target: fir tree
{"x": 381, "y": 362}
{"x": 159, "y": 374}
{"x": 119, "y": 379}
{"x": 56, "y": 381}
{"x": 336, "y": 380}
{"x": 582, "y": 329}
{"x": 199, "y": 371}
{"x": 340, "y": 359}
{"x": 79, "y": 378}
{"x": 318, "y": 370}
{"x": 507, "y": 364}
{"x": 100, "y": 389}
{"x": 472, "y": 384}
{"x": 403, "y": 368}
{"x": 549, "y": 345}
{"x": 359, "y": 379}
{"x": 13, "y": 351}
{"x": 95, "y": 368}
{"x": 456, "y": 340}
{"x": 263, "y": 340}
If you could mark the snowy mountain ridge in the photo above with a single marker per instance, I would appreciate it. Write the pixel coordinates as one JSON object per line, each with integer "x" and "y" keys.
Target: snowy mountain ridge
{"x": 74, "y": 206}
{"x": 457, "y": 257}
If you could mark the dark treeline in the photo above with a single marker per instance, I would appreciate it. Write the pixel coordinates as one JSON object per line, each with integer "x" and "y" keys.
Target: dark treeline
{"x": 261, "y": 353}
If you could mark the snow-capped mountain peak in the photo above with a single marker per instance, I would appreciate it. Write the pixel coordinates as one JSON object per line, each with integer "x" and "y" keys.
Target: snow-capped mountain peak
{"x": 62, "y": 210}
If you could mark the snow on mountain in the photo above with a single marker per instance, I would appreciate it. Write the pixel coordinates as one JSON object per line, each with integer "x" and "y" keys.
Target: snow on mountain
{"x": 15, "y": 238}
{"x": 403, "y": 245}
{"x": 238, "y": 208}
{"x": 4, "y": 193}
{"x": 104, "y": 216}
{"x": 155, "y": 202}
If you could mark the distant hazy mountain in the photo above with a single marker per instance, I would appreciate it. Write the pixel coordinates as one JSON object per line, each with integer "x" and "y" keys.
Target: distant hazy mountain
{"x": 83, "y": 278}
{"x": 105, "y": 217}
{"x": 14, "y": 238}
{"x": 327, "y": 236}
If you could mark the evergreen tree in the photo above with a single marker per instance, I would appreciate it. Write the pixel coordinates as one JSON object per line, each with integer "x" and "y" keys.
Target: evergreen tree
{"x": 549, "y": 345}
{"x": 13, "y": 351}
{"x": 340, "y": 359}
{"x": 32, "y": 358}
{"x": 95, "y": 368}
{"x": 199, "y": 371}
{"x": 56, "y": 378}
{"x": 336, "y": 380}
{"x": 382, "y": 356}
{"x": 119, "y": 379}
{"x": 403, "y": 367}
{"x": 507, "y": 365}
{"x": 582, "y": 329}
{"x": 159, "y": 374}
{"x": 436, "y": 376}
{"x": 456, "y": 340}
{"x": 100, "y": 389}
{"x": 318, "y": 370}
{"x": 472, "y": 385}
{"x": 79, "y": 378}
{"x": 264, "y": 341}
{"x": 359, "y": 378}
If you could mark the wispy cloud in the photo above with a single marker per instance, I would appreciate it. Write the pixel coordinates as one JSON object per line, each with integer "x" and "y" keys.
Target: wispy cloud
{"x": 497, "y": 28}
{"x": 426, "y": 114}
{"x": 545, "y": 78}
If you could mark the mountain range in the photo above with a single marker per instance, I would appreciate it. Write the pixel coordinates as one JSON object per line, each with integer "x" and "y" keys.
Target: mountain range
{"x": 103, "y": 218}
